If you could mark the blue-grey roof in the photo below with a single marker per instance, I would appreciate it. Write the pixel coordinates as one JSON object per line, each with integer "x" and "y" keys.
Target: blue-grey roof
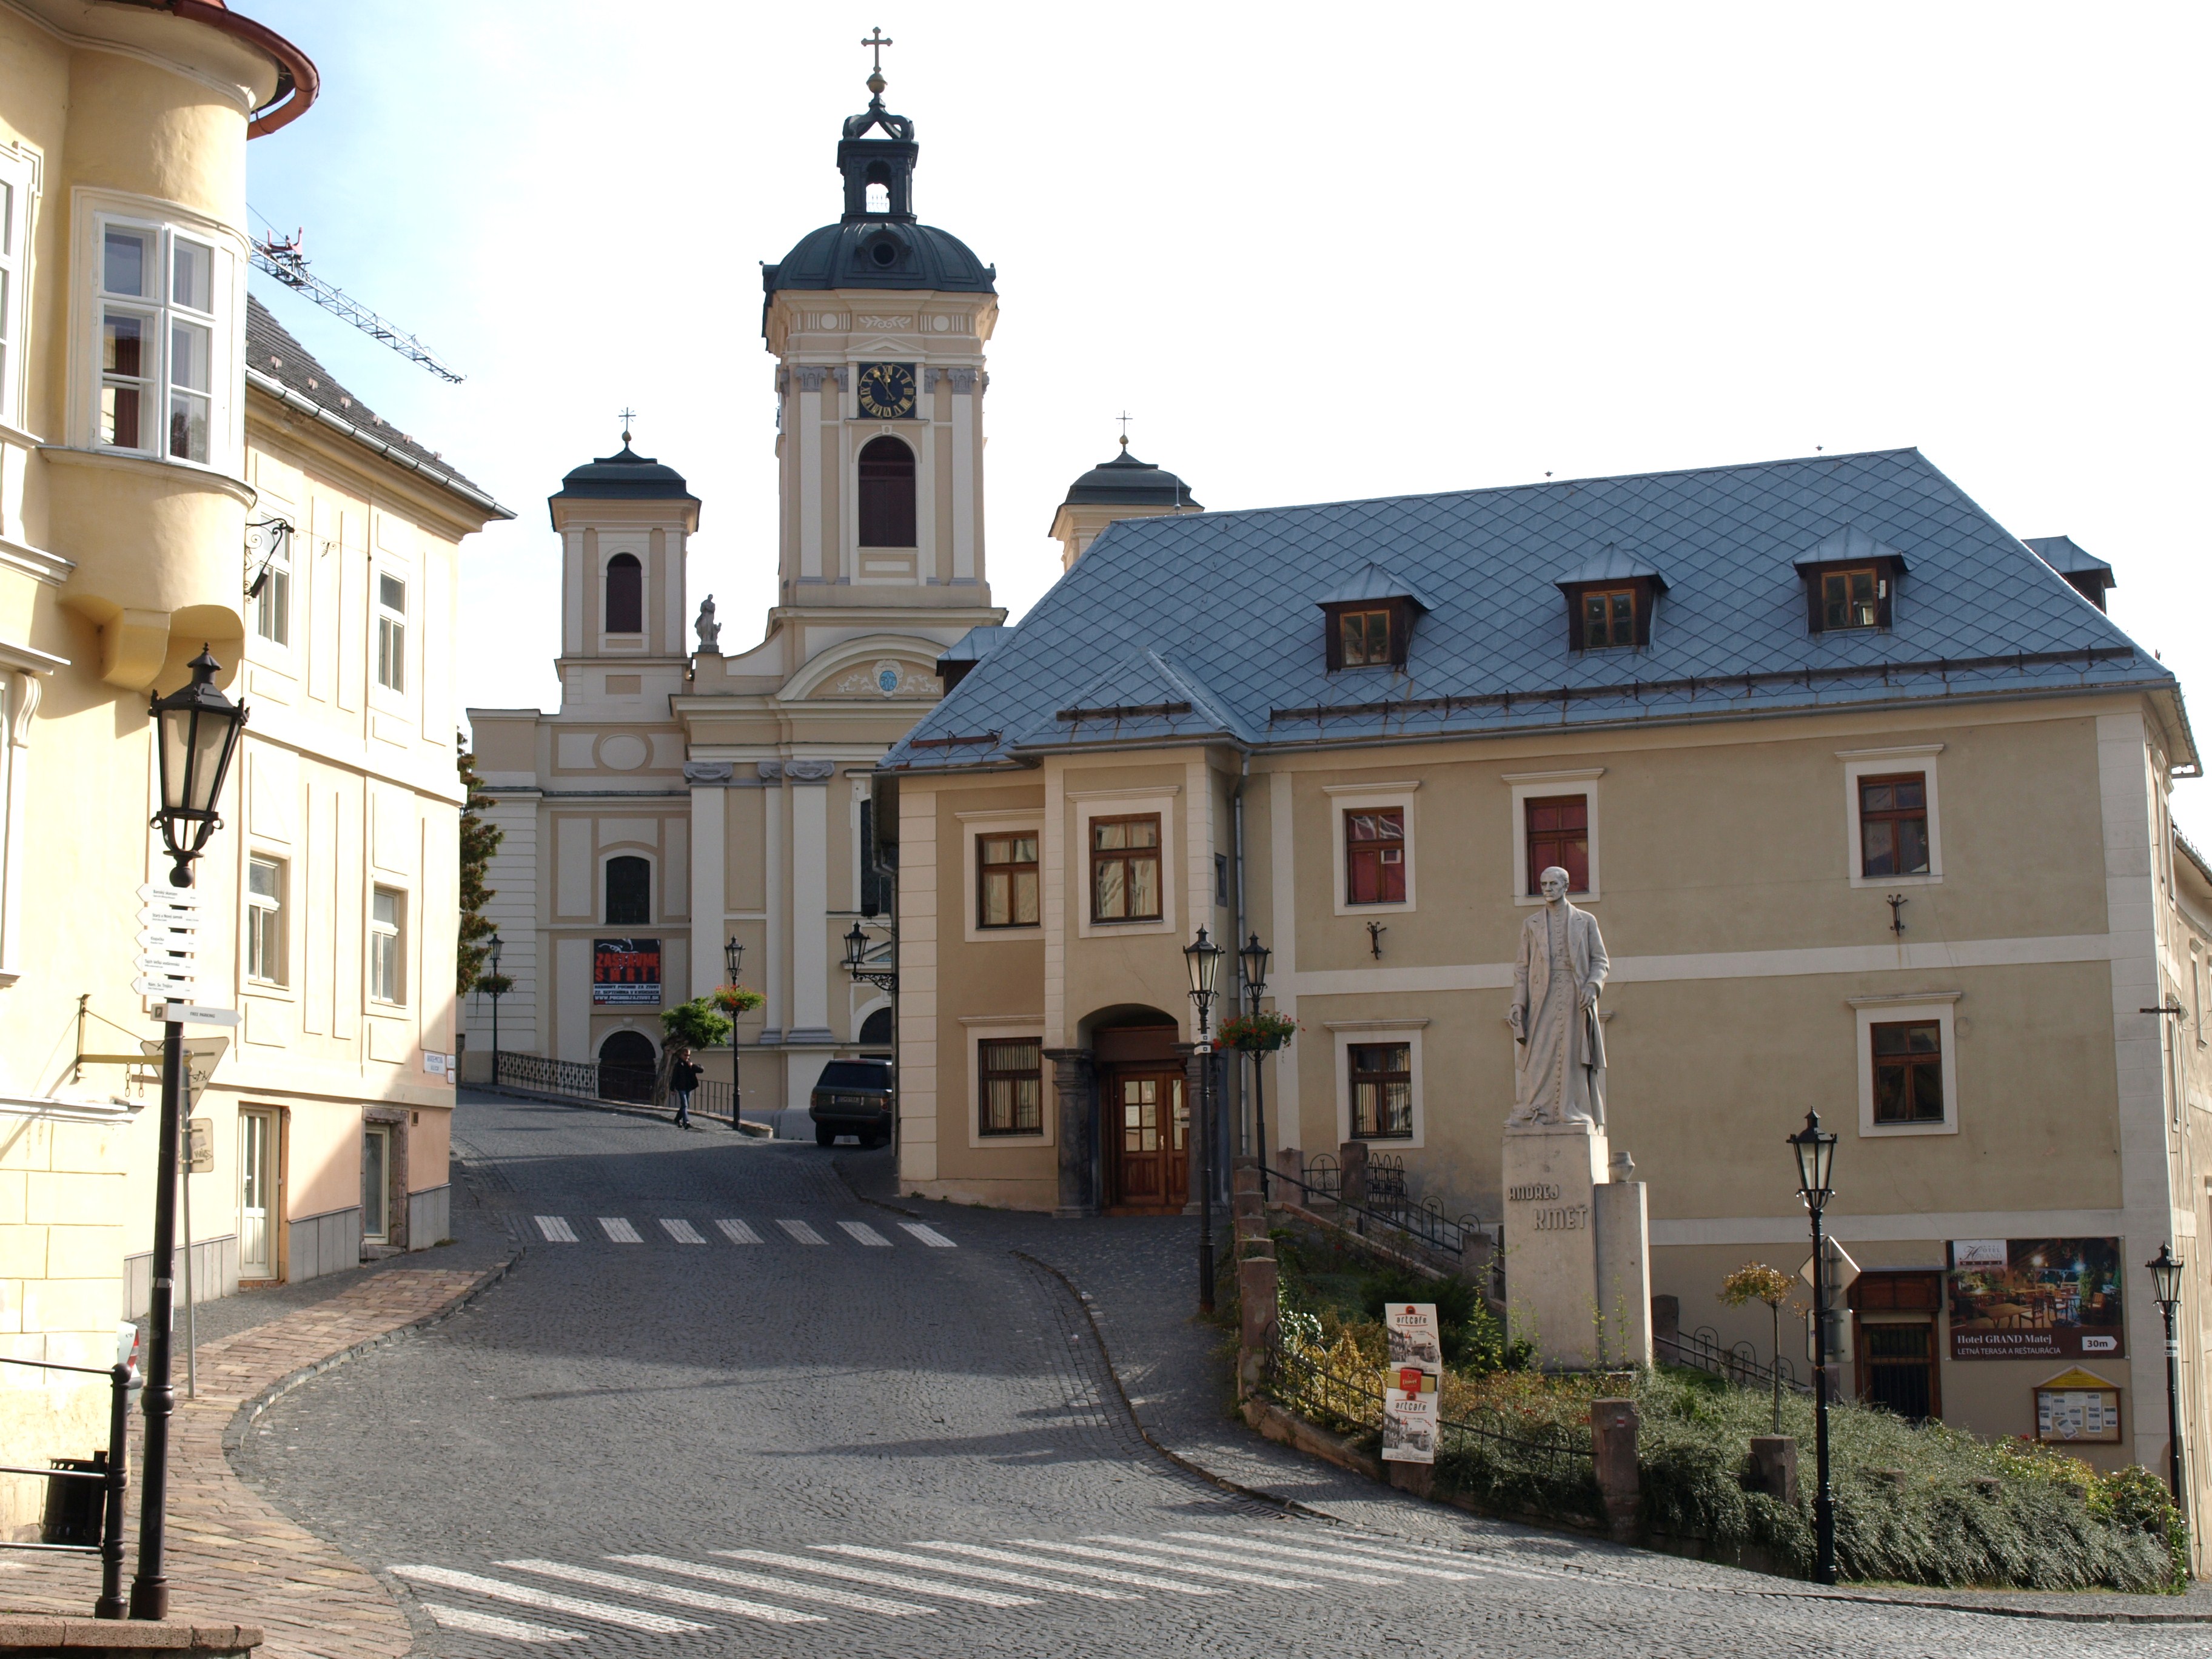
{"x": 1373, "y": 582}
{"x": 1216, "y": 611}
{"x": 1611, "y": 563}
{"x": 2063, "y": 554}
{"x": 976, "y": 644}
{"x": 1848, "y": 544}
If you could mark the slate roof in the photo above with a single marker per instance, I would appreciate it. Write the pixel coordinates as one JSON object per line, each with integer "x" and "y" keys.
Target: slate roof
{"x": 280, "y": 364}
{"x": 1215, "y": 610}
{"x": 624, "y": 476}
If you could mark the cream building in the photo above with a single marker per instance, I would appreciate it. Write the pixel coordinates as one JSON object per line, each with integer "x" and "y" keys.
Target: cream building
{"x": 1869, "y": 800}
{"x": 155, "y": 426}
{"x": 682, "y": 797}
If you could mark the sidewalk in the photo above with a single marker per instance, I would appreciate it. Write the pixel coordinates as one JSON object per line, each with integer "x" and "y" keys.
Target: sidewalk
{"x": 232, "y": 1556}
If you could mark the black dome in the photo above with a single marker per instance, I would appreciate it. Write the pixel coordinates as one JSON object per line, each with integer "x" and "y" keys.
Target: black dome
{"x": 880, "y": 252}
{"x": 627, "y": 476}
{"x": 1125, "y": 481}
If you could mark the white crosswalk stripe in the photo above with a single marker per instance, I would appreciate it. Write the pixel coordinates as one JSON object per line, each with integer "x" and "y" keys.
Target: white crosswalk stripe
{"x": 928, "y": 1235}
{"x": 1093, "y": 1553}
{"x": 737, "y": 1233}
{"x": 491, "y": 1624}
{"x": 619, "y": 1229}
{"x": 1246, "y": 1560}
{"x": 865, "y": 1234}
{"x": 557, "y": 1231}
{"x": 1386, "y": 1554}
{"x": 761, "y": 1580}
{"x": 529, "y": 1596}
{"x": 1110, "y": 1574}
{"x": 1339, "y": 1559}
{"x": 682, "y": 1231}
{"x": 888, "y": 1580}
{"x": 704, "y": 1600}
{"x": 965, "y": 1570}
{"x": 802, "y": 1232}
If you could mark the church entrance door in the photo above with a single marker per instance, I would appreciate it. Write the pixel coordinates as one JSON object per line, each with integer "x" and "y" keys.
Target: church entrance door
{"x": 1148, "y": 1135}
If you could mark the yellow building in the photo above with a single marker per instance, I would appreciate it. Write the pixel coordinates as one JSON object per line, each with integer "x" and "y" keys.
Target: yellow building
{"x": 176, "y": 471}
{"x": 1868, "y": 798}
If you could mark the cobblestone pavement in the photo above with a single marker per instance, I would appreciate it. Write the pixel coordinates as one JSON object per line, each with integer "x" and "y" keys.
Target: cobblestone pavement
{"x": 723, "y": 1405}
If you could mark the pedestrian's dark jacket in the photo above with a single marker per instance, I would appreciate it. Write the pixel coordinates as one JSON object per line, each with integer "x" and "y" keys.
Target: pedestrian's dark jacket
{"x": 684, "y": 1077}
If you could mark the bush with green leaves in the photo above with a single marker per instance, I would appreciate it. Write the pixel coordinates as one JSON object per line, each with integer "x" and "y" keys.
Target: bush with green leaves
{"x": 696, "y": 1024}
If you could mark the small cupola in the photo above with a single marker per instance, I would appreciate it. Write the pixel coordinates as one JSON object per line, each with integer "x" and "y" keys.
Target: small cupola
{"x": 1370, "y": 620}
{"x": 1123, "y": 487}
{"x": 2087, "y": 576}
{"x": 1851, "y": 582}
{"x": 1611, "y": 598}
{"x": 878, "y": 172}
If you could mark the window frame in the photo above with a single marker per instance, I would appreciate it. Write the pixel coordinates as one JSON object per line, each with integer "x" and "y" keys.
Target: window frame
{"x": 860, "y": 508}
{"x": 607, "y": 594}
{"x": 1863, "y": 763}
{"x": 1643, "y": 596}
{"x": 1540, "y": 785}
{"x": 395, "y": 952}
{"x": 1346, "y": 798}
{"x": 162, "y": 313}
{"x": 1894, "y": 816}
{"x": 604, "y": 907}
{"x": 259, "y": 905}
{"x": 1008, "y": 1028}
{"x": 985, "y": 1076}
{"x": 1400, "y": 612}
{"x": 390, "y": 632}
{"x": 1118, "y": 804}
{"x": 276, "y": 596}
{"x": 1013, "y": 869}
{"x": 1094, "y": 856}
{"x": 19, "y": 174}
{"x": 1351, "y": 1034}
{"x": 1885, "y": 569}
{"x": 974, "y": 826}
{"x": 1910, "y": 1008}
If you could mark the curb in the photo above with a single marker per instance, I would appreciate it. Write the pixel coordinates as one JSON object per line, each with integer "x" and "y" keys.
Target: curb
{"x": 654, "y": 1114}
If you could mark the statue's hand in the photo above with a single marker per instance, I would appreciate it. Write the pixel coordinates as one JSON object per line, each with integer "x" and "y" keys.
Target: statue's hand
{"x": 1589, "y": 997}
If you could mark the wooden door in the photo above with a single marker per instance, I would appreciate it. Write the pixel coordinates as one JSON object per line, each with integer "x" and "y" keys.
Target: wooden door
{"x": 1150, "y": 1126}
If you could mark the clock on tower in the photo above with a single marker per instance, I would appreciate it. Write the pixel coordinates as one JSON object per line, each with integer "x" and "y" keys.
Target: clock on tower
{"x": 886, "y": 390}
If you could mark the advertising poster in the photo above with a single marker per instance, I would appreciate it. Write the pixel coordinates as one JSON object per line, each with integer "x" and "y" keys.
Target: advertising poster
{"x": 2036, "y": 1299}
{"x": 1410, "y": 1396}
{"x": 626, "y": 971}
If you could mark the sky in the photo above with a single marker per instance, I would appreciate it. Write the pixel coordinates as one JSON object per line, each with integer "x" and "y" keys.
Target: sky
{"x": 1315, "y": 252}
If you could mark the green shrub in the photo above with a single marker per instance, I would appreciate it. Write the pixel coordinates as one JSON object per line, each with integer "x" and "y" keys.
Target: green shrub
{"x": 696, "y": 1024}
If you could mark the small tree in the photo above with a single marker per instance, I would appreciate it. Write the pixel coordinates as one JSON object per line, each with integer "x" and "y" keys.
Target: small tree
{"x": 479, "y": 841}
{"x": 1755, "y": 1281}
{"x": 696, "y": 1024}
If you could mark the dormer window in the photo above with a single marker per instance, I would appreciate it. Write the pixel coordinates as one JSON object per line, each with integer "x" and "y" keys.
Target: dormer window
{"x": 1368, "y": 622}
{"x": 1852, "y": 598}
{"x": 1850, "y": 583}
{"x": 1610, "y": 599}
{"x": 1364, "y": 638}
{"x": 1609, "y": 619}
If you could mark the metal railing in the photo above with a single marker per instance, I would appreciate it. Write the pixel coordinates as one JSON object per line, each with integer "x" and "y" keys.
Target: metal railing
{"x": 603, "y": 1082}
{"x": 1703, "y": 1349}
{"x": 108, "y": 1470}
{"x": 1322, "y": 1183}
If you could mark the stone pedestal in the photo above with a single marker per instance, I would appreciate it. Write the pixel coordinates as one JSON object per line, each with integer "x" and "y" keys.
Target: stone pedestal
{"x": 1577, "y": 1251}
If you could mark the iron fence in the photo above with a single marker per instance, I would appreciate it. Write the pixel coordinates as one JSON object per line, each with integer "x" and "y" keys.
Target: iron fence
{"x": 1322, "y": 1183}
{"x": 605, "y": 1082}
{"x": 1703, "y": 1349}
{"x": 84, "y": 1495}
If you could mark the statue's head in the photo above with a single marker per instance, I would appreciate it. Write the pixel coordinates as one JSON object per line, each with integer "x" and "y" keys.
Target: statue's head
{"x": 1553, "y": 884}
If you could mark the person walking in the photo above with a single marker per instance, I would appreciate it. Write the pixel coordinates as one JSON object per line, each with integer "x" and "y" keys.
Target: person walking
{"x": 683, "y": 1079}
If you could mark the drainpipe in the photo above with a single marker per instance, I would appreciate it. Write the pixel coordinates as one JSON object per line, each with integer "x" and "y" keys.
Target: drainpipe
{"x": 1236, "y": 938}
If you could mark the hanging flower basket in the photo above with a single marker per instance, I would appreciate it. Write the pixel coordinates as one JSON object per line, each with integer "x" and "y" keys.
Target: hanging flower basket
{"x": 1257, "y": 1034}
{"x": 735, "y": 999}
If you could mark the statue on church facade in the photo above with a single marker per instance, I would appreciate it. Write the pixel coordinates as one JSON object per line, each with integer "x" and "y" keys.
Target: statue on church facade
{"x": 710, "y": 631}
{"x": 1558, "y": 1048}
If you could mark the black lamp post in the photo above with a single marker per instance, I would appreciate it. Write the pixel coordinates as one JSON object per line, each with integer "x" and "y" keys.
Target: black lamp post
{"x": 1254, "y": 957}
{"x": 733, "y": 954}
{"x": 196, "y": 733}
{"x": 2166, "y": 1279}
{"x": 1202, "y": 957}
{"x": 886, "y": 980}
{"x": 493, "y": 946}
{"x": 1815, "y": 1150}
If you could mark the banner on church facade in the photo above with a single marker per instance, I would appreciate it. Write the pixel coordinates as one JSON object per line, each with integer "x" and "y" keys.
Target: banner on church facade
{"x": 626, "y": 971}
{"x": 2036, "y": 1299}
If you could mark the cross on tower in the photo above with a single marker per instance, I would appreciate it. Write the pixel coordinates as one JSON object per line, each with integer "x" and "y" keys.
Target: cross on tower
{"x": 628, "y": 415}
{"x": 1124, "y": 418}
{"x": 876, "y": 41}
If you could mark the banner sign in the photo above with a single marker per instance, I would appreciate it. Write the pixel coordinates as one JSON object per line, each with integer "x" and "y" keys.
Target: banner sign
{"x": 626, "y": 970}
{"x": 1411, "y": 1399}
{"x": 2036, "y": 1299}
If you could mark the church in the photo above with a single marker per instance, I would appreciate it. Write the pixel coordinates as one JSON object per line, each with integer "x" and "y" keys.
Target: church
{"x": 685, "y": 807}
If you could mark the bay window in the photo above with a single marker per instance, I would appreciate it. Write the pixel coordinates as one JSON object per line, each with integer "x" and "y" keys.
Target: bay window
{"x": 158, "y": 336}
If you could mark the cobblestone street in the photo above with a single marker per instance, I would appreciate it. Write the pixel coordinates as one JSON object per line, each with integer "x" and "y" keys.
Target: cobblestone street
{"x": 723, "y": 1403}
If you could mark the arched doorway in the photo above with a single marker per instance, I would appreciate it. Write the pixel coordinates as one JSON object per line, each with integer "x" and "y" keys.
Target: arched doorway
{"x": 1143, "y": 1111}
{"x": 875, "y": 1034}
{"x": 627, "y": 1062}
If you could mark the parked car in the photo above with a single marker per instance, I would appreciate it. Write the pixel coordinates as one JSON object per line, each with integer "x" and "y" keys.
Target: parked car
{"x": 853, "y": 1097}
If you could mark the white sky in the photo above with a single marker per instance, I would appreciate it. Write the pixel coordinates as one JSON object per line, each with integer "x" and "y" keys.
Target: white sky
{"x": 1319, "y": 252}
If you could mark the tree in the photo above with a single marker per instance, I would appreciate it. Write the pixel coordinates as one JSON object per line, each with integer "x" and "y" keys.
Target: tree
{"x": 1755, "y": 1281}
{"x": 695, "y": 1023}
{"x": 479, "y": 841}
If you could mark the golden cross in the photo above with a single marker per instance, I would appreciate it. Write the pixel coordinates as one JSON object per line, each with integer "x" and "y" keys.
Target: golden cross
{"x": 877, "y": 40}
{"x": 1124, "y": 418}
{"x": 628, "y": 415}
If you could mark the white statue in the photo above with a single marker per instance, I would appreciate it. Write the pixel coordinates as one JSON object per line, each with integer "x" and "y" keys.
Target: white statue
{"x": 1558, "y": 1048}
{"x": 710, "y": 631}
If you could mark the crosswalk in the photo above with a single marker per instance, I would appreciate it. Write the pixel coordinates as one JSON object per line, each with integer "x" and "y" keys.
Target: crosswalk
{"x": 621, "y": 1229}
{"x": 815, "y": 1583}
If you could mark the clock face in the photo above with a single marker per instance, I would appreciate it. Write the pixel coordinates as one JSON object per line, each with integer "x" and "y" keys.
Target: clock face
{"x": 886, "y": 390}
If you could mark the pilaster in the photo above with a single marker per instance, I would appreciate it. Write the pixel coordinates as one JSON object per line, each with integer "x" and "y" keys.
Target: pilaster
{"x": 809, "y": 900}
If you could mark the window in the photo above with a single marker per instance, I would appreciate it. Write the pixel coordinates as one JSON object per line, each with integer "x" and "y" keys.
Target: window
{"x": 157, "y": 336}
{"x": 1125, "y": 869}
{"x": 1608, "y": 619}
{"x": 630, "y": 891}
{"x": 272, "y": 605}
{"x": 876, "y": 862}
{"x": 1557, "y": 833}
{"x": 887, "y": 517}
{"x": 265, "y": 920}
{"x": 1851, "y": 598}
{"x": 386, "y": 918}
{"x": 376, "y": 1184}
{"x": 625, "y": 595}
{"x": 1381, "y": 1091}
{"x": 1010, "y": 1100}
{"x": 11, "y": 280}
{"x": 1364, "y": 638}
{"x": 1375, "y": 857}
{"x": 1908, "y": 1072}
{"x": 2196, "y": 996}
{"x": 1006, "y": 880}
{"x": 391, "y": 633}
{"x": 1894, "y": 825}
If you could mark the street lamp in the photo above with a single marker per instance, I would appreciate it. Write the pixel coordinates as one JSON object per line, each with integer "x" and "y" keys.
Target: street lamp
{"x": 1254, "y": 957}
{"x": 734, "y": 954}
{"x": 492, "y": 948}
{"x": 1202, "y": 957}
{"x": 195, "y": 731}
{"x": 886, "y": 980}
{"x": 2166, "y": 1279}
{"x": 1815, "y": 1150}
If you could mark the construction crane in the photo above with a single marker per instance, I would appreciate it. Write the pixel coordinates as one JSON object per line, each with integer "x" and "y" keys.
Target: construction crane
{"x": 285, "y": 262}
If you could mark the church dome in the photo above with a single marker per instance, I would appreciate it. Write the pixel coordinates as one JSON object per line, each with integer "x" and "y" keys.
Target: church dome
{"x": 1125, "y": 481}
{"x": 624, "y": 476}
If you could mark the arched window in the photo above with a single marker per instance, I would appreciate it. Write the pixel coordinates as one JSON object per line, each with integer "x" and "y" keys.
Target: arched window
{"x": 626, "y": 1067}
{"x": 629, "y": 891}
{"x": 887, "y": 494}
{"x": 625, "y": 595}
